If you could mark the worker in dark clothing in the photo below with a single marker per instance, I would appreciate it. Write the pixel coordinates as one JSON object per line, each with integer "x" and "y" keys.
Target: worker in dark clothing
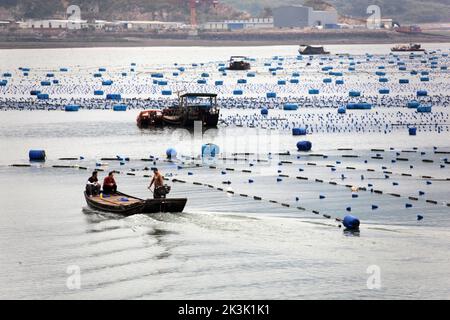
{"x": 92, "y": 185}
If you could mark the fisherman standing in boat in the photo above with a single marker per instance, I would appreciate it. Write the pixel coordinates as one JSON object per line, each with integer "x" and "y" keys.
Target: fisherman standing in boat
{"x": 109, "y": 184}
{"x": 160, "y": 190}
{"x": 92, "y": 185}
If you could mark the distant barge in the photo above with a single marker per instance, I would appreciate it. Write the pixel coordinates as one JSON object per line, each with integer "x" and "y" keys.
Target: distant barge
{"x": 310, "y": 50}
{"x": 408, "y": 48}
{"x": 191, "y": 107}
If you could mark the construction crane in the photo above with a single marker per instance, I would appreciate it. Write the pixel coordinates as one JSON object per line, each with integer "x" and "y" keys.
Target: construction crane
{"x": 193, "y": 8}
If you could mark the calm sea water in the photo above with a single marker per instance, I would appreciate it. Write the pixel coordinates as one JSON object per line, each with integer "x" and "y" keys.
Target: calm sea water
{"x": 222, "y": 246}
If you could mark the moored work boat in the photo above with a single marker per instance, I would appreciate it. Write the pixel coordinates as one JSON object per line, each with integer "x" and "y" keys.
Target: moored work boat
{"x": 193, "y": 107}
{"x": 126, "y": 205}
{"x": 238, "y": 63}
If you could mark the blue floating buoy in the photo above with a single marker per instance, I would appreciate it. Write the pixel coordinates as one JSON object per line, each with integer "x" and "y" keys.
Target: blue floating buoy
{"x": 424, "y": 109}
{"x": 171, "y": 153}
{"x": 413, "y": 104}
{"x": 299, "y": 131}
{"x": 351, "y": 222}
{"x": 290, "y": 107}
{"x": 37, "y": 155}
{"x": 72, "y": 108}
{"x": 412, "y": 131}
{"x": 120, "y": 107}
{"x": 422, "y": 93}
{"x": 210, "y": 150}
{"x": 43, "y": 96}
{"x": 304, "y": 146}
{"x": 113, "y": 96}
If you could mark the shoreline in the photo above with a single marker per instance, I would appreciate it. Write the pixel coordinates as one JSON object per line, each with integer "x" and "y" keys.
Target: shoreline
{"x": 220, "y": 40}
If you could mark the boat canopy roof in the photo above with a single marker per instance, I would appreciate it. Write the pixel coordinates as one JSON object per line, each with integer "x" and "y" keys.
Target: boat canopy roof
{"x": 199, "y": 95}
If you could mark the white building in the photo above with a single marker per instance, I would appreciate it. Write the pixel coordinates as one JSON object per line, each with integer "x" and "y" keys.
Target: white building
{"x": 53, "y": 24}
{"x": 150, "y": 25}
{"x": 4, "y": 24}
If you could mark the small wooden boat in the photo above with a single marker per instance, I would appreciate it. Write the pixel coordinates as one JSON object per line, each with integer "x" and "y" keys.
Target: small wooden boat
{"x": 149, "y": 118}
{"x": 126, "y": 205}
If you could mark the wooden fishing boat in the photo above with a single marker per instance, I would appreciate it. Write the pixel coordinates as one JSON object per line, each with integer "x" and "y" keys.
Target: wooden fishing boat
{"x": 239, "y": 63}
{"x": 126, "y": 205}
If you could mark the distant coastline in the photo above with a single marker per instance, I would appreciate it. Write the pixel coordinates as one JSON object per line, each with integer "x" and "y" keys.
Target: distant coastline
{"x": 18, "y": 41}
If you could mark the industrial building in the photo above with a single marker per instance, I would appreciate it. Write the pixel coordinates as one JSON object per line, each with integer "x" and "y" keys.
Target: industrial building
{"x": 303, "y": 17}
{"x": 231, "y": 25}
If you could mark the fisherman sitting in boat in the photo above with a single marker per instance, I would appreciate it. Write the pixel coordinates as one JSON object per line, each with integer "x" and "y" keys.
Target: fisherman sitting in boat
{"x": 109, "y": 184}
{"x": 92, "y": 185}
{"x": 160, "y": 190}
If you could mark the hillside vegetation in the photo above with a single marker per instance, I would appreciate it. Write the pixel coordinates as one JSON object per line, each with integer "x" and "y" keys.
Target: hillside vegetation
{"x": 403, "y": 11}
